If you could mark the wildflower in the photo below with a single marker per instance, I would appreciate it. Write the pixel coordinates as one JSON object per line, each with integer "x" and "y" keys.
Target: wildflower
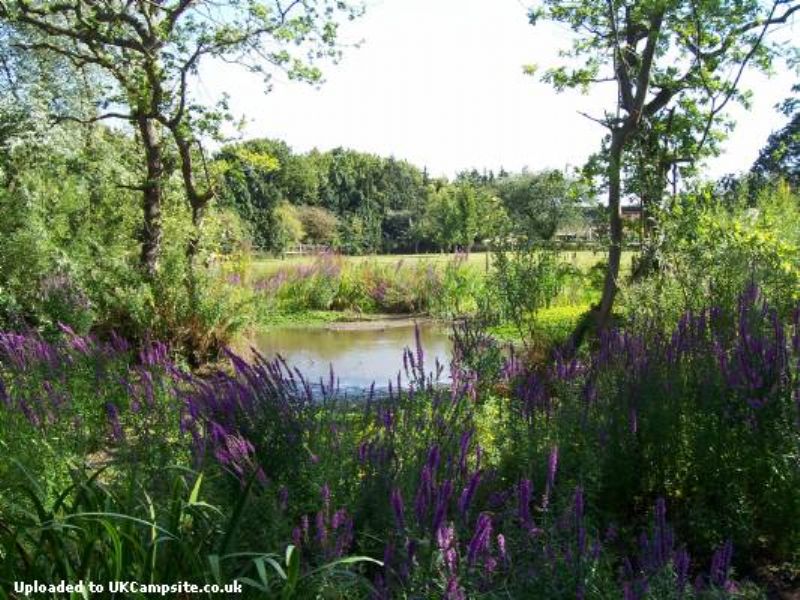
{"x": 113, "y": 419}
{"x": 501, "y": 547}
{"x": 322, "y": 529}
{"x": 681, "y": 565}
{"x": 481, "y": 539}
{"x": 442, "y": 500}
{"x": 720, "y": 564}
{"x": 398, "y": 508}
{"x": 524, "y": 490}
{"x": 552, "y": 466}
{"x": 468, "y": 493}
{"x": 453, "y": 590}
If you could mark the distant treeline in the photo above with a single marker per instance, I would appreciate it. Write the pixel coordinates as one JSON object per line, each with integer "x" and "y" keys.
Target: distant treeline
{"x": 362, "y": 203}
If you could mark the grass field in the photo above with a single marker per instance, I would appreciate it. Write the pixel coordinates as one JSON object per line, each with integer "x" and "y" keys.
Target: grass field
{"x": 264, "y": 266}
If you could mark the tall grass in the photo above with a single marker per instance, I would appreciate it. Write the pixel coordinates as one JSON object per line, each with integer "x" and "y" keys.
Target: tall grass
{"x": 332, "y": 282}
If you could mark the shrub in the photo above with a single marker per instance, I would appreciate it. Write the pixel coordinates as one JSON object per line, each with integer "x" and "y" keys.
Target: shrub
{"x": 320, "y": 226}
{"x": 713, "y": 250}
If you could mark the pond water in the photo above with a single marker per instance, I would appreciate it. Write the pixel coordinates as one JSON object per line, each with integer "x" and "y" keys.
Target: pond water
{"x": 359, "y": 352}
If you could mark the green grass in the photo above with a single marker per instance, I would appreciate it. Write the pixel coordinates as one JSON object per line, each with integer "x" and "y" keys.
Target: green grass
{"x": 314, "y": 317}
{"x": 264, "y": 266}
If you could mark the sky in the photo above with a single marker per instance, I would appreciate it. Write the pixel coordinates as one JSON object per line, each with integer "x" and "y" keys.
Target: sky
{"x": 440, "y": 83}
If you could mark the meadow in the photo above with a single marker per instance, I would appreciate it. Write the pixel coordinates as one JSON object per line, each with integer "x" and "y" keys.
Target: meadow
{"x": 265, "y": 265}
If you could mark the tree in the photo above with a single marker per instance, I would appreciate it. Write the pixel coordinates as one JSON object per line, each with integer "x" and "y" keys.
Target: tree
{"x": 780, "y": 156}
{"x": 151, "y": 50}
{"x": 539, "y": 203}
{"x": 663, "y": 56}
{"x": 288, "y": 227}
{"x": 251, "y": 176}
{"x": 320, "y": 226}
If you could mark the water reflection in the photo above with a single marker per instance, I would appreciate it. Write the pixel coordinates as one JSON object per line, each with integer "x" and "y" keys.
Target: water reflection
{"x": 359, "y": 356}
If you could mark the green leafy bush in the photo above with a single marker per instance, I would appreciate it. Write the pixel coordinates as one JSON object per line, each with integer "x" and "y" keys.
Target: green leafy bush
{"x": 713, "y": 250}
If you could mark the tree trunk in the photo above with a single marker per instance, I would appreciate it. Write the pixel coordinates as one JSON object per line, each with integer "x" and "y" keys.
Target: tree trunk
{"x": 152, "y": 195}
{"x": 598, "y": 317}
{"x": 615, "y": 230}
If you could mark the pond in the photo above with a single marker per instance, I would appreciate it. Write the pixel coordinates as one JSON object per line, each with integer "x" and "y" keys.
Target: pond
{"x": 359, "y": 352}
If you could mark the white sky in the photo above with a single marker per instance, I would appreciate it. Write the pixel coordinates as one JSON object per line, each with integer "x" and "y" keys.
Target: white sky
{"x": 440, "y": 84}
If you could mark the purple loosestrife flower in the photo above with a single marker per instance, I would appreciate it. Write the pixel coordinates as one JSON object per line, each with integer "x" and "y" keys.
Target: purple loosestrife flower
{"x": 398, "y": 508}
{"x": 424, "y": 495}
{"x": 681, "y": 565}
{"x": 442, "y": 500}
{"x": 501, "y": 547}
{"x": 344, "y": 535}
{"x": 434, "y": 457}
{"x": 453, "y": 590}
{"x": 448, "y": 546}
{"x": 720, "y": 565}
{"x": 322, "y": 529}
{"x": 237, "y": 453}
{"x": 113, "y": 420}
{"x": 524, "y": 492}
{"x": 420, "y": 352}
{"x": 489, "y": 565}
{"x": 463, "y": 445}
{"x": 339, "y": 517}
{"x": 297, "y": 537}
{"x": 552, "y": 467}
{"x": 468, "y": 493}
{"x": 481, "y": 539}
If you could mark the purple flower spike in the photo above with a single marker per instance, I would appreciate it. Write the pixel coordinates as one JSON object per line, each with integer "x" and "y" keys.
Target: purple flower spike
{"x": 501, "y": 547}
{"x": 468, "y": 493}
{"x": 481, "y": 539}
{"x": 681, "y": 564}
{"x": 399, "y": 509}
{"x": 454, "y": 591}
{"x": 552, "y": 467}
{"x": 113, "y": 420}
{"x": 524, "y": 491}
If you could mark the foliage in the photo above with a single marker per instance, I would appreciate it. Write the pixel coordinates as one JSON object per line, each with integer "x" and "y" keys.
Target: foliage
{"x": 148, "y": 56}
{"x": 539, "y": 204}
{"x": 388, "y": 205}
{"x": 654, "y": 466}
{"x": 521, "y": 283}
{"x": 461, "y": 214}
{"x": 780, "y": 156}
{"x": 331, "y": 283}
{"x": 68, "y": 248}
{"x": 675, "y": 67}
{"x": 289, "y": 228}
{"x": 712, "y": 250}
{"x": 320, "y": 226}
